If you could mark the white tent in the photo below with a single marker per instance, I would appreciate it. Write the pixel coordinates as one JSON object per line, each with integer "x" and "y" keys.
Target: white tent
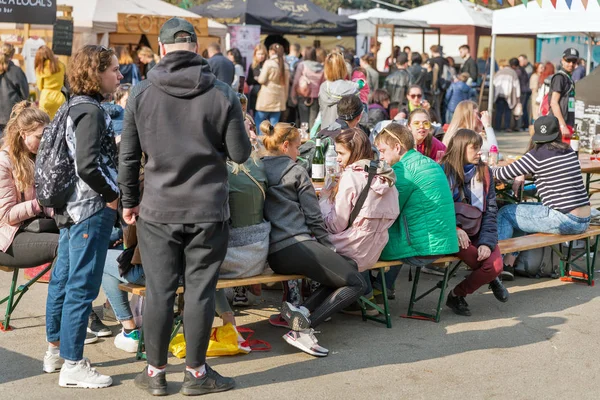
{"x": 534, "y": 19}
{"x": 367, "y": 21}
{"x": 451, "y": 12}
{"x": 100, "y": 16}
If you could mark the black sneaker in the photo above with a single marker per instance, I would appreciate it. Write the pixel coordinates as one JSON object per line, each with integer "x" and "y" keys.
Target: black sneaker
{"x": 211, "y": 382}
{"x": 508, "y": 273}
{"x": 96, "y": 326}
{"x": 499, "y": 290}
{"x": 458, "y": 305}
{"x": 155, "y": 385}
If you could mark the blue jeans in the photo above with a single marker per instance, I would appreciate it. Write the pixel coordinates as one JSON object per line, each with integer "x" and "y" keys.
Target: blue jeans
{"x": 260, "y": 116}
{"x": 75, "y": 281}
{"x": 520, "y": 219}
{"x": 119, "y": 301}
{"x": 503, "y": 114}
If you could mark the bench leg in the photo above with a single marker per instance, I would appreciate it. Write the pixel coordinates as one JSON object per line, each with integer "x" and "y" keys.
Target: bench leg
{"x": 364, "y": 302}
{"x": 447, "y": 275}
{"x": 5, "y": 325}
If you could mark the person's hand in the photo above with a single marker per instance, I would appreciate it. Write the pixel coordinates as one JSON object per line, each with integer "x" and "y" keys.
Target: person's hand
{"x": 113, "y": 204}
{"x": 483, "y": 253}
{"x": 251, "y": 133}
{"x": 463, "y": 239}
{"x": 400, "y": 116}
{"x": 425, "y": 104}
{"x": 130, "y": 215}
{"x": 564, "y": 130}
{"x": 517, "y": 184}
{"x": 485, "y": 119}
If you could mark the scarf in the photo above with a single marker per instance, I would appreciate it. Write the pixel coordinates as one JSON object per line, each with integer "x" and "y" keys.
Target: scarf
{"x": 473, "y": 189}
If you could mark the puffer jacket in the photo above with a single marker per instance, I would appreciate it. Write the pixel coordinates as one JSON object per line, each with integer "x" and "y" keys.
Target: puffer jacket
{"x": 14, "y": 210}
{"x": 397, "y": 85}
{"x": 458, "y": 92}
{"x": 314, "y": 73}
{"x": 427, "y": 223}
{"x": 367, "y": 236}
{"x": 330, "y": 94}
{"x": 273, "y": 95}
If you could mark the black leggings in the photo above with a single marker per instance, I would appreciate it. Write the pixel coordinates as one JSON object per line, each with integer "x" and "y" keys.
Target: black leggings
{"x": 30, "y": 250}
{"x": 341, "y": 283}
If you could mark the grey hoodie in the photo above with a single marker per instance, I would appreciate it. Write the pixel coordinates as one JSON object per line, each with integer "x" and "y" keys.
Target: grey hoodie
{"x": 187, "y": 123}
{"x": 330, "y": 94}
{"x": 291, "y": 205}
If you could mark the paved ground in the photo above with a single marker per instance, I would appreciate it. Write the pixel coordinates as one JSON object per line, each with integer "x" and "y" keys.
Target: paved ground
{"x": 538, "y": 345}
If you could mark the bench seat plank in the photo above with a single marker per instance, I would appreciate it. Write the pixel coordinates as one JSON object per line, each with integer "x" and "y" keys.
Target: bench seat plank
{"x": 6, "y": 269}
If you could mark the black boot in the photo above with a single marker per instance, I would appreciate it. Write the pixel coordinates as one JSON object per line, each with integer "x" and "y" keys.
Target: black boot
{"x": 508, "y": 273}
{"x": 499, "y": 290}
{"x": 458, "y": 305}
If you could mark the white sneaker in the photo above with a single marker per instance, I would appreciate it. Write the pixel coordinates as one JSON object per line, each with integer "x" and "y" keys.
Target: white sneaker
{"x": 306, "y": 341}
{"x": 296, "y": 317}
{"x": 128, "y": 341}
{"x": 52, "y": 362}
{"x": 82, "y": 375}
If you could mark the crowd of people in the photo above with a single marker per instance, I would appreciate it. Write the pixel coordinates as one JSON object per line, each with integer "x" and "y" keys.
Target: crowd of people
{"x": 210, "y": 187}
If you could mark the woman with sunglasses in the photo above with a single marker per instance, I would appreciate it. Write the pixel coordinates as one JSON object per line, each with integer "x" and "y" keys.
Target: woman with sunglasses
{"x": 300, "y": 243}
{"x": 415, "y": 101}
{"x": 467, "y": 116}
{"x": 419, "y": 122}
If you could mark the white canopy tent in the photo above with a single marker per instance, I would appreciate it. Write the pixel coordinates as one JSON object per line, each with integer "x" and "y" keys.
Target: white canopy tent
{"x": 451, "y": 12}
{"x": 368, "y": 20}
{"x": 534, "y": 19}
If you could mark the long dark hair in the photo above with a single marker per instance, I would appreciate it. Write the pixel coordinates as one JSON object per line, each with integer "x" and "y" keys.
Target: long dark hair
{"x": 454, "y": 160}
{"x": 278, "y": 49}
{"x": 237, "y": 56}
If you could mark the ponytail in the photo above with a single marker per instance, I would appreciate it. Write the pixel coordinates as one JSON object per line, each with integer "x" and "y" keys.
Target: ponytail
{"x": 278, "y": 49}
{"x": 6, "y": 53}
{"x": 275, "y": 136}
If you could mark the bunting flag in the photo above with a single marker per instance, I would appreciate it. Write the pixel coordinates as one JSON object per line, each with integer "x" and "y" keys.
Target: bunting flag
{"x": 569, "y": 2}
{"x": 554, "y": 3}
{"x": 525, "y": 3}
{"x": 540, "y": 2}
{"x": 511, "y": 2}
{"x": 486, "y": 2}
{"x": 500, "y": 2}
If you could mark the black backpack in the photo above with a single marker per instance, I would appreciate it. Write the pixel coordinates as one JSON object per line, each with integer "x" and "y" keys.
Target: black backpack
{"x": 55, "y": 175}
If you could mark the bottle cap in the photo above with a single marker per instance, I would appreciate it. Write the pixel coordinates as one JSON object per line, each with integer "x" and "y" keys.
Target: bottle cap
{"x": 493, "y": 149}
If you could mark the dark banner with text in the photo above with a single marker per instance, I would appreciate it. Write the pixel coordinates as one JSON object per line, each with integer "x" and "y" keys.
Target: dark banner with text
{"x": 28, "y": 11}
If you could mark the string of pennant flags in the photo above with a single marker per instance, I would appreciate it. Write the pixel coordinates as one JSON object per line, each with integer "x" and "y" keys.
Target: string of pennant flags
{"x": 512, "y": 2}
{"x": 572, "y": 39}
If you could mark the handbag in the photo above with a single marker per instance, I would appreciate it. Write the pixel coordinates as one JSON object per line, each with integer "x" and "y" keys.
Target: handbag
{"x": 469, "y": 217}
{"x": 517, "y": 112}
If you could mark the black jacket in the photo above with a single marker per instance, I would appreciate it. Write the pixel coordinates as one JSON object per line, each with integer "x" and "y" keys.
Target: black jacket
{"x": 222, "y": 68}
{"x": 187, "y": 123}
{"x": 13, "y": 89}
{"x": 470, "y": 67}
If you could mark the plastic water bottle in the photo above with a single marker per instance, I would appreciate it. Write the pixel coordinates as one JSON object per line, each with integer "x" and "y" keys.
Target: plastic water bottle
{"x": 331, "y": 165}
{"x": 493, "y": 156}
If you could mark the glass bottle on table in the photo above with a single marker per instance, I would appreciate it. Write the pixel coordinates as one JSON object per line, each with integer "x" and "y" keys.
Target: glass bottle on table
{"x": 574, "y": 142}
{"x": 318, "y": 163}
{"x": 595, "y": 147}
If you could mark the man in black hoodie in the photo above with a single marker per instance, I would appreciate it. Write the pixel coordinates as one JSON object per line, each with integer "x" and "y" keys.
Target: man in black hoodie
{"x": 186, "y": 123}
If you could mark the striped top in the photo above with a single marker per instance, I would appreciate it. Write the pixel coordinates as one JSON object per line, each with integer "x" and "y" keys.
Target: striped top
{"x": 557, "y": 175}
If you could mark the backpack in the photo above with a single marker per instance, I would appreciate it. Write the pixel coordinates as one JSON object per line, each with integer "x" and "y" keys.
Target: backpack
{"x": 55, "y": 174}
{"x": 303, "y": 88}
{"x": 537, "y": 263}
{"x": 545, "y": 103}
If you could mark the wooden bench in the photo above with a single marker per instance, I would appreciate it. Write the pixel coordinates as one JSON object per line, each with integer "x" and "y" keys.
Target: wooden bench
{"x": 10, "y": 300}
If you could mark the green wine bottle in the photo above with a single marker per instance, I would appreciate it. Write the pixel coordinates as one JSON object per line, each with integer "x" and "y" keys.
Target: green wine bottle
{"x": 318, "y": 163}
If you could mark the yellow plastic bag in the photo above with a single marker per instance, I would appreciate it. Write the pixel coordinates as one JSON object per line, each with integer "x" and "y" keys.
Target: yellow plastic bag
{"x": 224, "y": 341}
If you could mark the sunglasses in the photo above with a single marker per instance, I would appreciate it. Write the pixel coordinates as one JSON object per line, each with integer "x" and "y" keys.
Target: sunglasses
{"x": 572, "y": 61}
{"x": 415, "y": 96}
{"x": 424, "y": 124}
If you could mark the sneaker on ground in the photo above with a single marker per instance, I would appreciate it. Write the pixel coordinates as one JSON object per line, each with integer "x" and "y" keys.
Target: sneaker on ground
{"x": 52, "y": 362}
{"x": 306, "y": 341}
{"x": 295, "y": 316}
{"x": 155, "y": 385}
{"x": 278, "y": 321}
{"x": 458, "y": 305}
{"x": 128, "y": 342}
{"x": 355, "y": 309}
{"x": 82, "y": 375}
{"x": 240, "y": 297}
{"x": 508, "y": 273}
{"x": 210, "y": 382}
{"x": 96, "y": 326}
{"x": 90, "y": 337}
{"x": 433, "y": 270}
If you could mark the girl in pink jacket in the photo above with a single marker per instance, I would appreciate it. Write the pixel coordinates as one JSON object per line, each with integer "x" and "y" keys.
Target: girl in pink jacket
{"x": 368, "y": 235}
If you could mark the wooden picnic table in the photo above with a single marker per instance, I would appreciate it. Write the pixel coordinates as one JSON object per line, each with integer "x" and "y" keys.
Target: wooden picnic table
{"x": 589, "y": 168}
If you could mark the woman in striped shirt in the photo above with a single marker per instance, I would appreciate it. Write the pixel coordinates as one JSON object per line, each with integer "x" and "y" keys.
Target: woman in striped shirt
{"x": 565, "y": 206}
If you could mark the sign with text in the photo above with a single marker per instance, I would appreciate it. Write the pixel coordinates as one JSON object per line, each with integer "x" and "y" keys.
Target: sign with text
{"x": 62, "y": 37}
{"x": 245, "y": 38}
{"x": 28, "y": 11}
{"x": 151, "y": 24}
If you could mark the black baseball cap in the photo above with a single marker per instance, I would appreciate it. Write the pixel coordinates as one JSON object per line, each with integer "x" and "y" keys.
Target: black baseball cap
{"x": 174, "y": 26}
{"x": 546, "y": 129}
{"x": 570, "y": 54}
